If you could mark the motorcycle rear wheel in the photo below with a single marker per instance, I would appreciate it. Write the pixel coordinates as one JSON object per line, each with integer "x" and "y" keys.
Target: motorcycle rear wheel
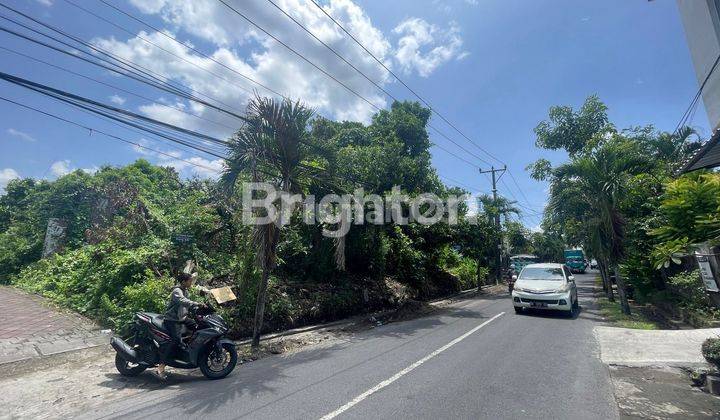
{"x": 128, "y": 368}
{"x": 216, "y": 364}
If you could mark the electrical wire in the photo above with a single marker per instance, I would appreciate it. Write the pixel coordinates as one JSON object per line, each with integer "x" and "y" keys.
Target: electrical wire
{"x": 94, "y": 130}
{"x": 115, "y": 87}
{"x": 690, "y": 109}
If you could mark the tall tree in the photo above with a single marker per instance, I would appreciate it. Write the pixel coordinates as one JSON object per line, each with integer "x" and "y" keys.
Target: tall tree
{"x": 270, "y": 148}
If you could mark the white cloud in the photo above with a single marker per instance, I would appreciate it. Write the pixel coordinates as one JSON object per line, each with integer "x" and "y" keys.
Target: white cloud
{"x": 60, "y": 168}
{"x": 184, "y": 164}
{"x": 423, "y": 47}
{"x": 117, "y": 99}
{"x": 195, "y": 165}
{"x": 20, "y": 134}
{"x": 262, "y": 58}
{"x": 472, "y": 203}
{"x": 7, "y": 175}
{"x": 442, "y": 6}
{"x": 46, "y": 3}
{"x": 238, "y": 45}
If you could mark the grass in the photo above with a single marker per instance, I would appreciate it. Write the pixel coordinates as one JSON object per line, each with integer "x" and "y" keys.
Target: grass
{"x": 612, "y": 312}
{"x": 614, "y": 316}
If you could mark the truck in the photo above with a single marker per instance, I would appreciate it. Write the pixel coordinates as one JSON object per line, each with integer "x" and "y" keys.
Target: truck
{"x": 575, "y": 260}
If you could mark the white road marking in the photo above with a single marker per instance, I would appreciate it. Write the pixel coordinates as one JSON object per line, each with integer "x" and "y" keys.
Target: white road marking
{"x": 405, "y": 371}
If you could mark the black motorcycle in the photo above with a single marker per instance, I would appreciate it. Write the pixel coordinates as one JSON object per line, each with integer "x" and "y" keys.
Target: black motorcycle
{"x": 207, "y": 346}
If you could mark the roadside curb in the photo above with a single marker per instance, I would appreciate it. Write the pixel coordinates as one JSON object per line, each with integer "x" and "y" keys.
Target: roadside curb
{"x": 41, "y": 357}
{"x": 463, "y": 294}
{"x": 41, "y": 351}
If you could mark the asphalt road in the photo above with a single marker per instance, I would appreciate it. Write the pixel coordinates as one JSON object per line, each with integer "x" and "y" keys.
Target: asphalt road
{"x": 477, "y": 359}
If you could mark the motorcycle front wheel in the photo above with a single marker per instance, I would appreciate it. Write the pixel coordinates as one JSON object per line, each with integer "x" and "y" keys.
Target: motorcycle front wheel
{"x": 218, "y": 363}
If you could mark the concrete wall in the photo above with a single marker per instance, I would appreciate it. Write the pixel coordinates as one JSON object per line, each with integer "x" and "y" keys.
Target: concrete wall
{"x": 701, "y": 20}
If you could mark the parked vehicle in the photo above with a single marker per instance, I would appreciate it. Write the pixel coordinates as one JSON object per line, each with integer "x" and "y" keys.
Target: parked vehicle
{"x": 593, "y": 264}
{"x": 207, "y": 346}
{"x": 575, "y": 260}
{"x": 545, "y": 286}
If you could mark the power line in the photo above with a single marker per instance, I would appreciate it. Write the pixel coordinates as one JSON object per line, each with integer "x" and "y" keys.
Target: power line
{"x": 156, "y": 45}
{"x": 450, "y": 152}
{"x": 193, "y": 49}
{"x": 243, "y": 75}
{"x": 129, "y": 15}
{"x": 526, "y": 208}
{"x": 696, "y": 98}
{"x": 337, "y": 54}
{"x": 512, "y": 177}
{"x": 94, "y": 130}
{"x": 383, "y": 90}
{"x": 432, "y": 109}
{"x": 144, "y": 75}
{"x": 323, "y": 71}
{"x": 53, "y": 91}
{"x": 145, "y": 124}
{"x": 128, "y": 68}
{"x": 299, "y": 55}
{"x": 118, "y": 88}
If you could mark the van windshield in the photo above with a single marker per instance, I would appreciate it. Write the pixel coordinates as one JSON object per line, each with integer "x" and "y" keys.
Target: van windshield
{"x": 537, "y": 273}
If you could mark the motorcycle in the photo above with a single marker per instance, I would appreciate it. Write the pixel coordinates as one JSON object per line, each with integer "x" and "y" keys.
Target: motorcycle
{"x": 511, "y": 276}
{"x": 207, "y": 346}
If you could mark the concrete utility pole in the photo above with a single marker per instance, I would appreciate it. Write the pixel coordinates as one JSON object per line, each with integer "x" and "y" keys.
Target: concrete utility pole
{"x": 493, "y": 171}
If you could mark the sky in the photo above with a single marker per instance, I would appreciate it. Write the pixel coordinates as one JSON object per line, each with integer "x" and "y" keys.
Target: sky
{"x": 491, "y": 67}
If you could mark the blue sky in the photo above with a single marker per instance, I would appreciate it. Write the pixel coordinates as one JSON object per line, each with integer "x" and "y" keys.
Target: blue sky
{"x": 492, "y": 67}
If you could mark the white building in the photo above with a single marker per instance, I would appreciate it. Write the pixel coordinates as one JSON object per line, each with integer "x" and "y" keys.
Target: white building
{"x": 701, "y": 20}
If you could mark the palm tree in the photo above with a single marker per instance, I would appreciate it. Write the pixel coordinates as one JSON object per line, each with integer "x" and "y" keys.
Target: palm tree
{"x": 496, "y": 208}
{"x": 600, "y": 179}
{"x": 270, "y": 147}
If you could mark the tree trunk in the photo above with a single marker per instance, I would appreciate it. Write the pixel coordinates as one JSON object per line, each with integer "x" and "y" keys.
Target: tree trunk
{"x": 605, "y": 269}
{"x": 260, "y": 307}
{"x": 624, "y": 305}
{"x": 480, "y": 282}
{"x": 603, "y": 277}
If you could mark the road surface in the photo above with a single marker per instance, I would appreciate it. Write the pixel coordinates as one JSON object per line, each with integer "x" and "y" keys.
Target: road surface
{"x": 477, "y": 359}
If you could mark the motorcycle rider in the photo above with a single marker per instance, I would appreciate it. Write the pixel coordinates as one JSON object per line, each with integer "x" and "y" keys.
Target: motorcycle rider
{"x": 176, "y": 317}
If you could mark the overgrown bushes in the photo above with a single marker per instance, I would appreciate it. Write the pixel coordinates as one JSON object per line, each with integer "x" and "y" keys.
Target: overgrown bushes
{"x": 130, "y": 229}
{"x": 711, "y": 351}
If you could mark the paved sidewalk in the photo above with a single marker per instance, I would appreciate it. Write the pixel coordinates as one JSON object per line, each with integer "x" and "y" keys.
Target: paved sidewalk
{"x": 629, "y": 347}
{"x": 30, "y": 327}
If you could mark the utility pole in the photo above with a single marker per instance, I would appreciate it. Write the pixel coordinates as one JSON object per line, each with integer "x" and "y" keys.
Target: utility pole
{"x": 498, "y": 247}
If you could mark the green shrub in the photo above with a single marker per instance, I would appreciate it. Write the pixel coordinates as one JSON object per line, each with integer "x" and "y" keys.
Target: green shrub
{"x": 690, "y": 291}
{"x": 104, "y": 282}
{"x": 711, "y": 351}
{"x": 466, "y": 272}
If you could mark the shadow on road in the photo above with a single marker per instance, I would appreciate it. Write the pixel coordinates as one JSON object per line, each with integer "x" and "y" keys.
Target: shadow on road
{"x": 198, "y": 396}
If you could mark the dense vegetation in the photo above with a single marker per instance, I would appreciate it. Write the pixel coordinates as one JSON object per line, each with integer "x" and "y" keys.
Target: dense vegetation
{"x": 126, "y": 225}
{"x": 620, "y": 198}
